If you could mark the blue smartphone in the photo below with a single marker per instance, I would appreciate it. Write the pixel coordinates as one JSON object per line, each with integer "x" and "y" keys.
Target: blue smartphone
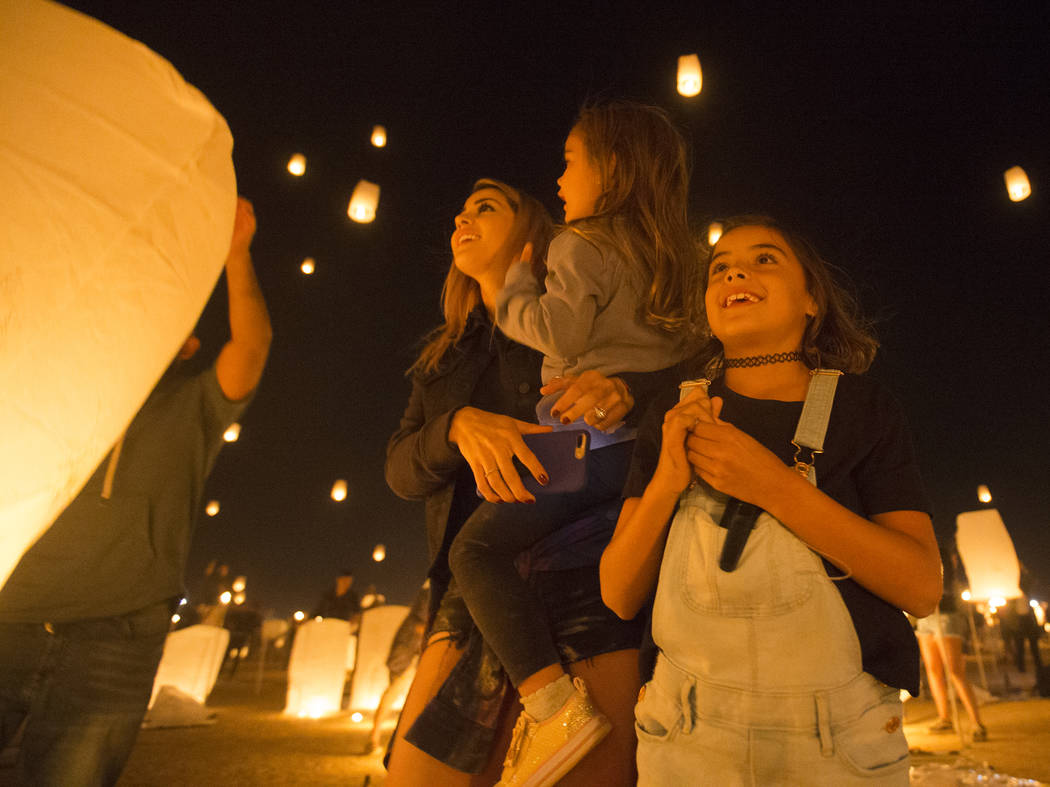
{"x": 563, "y": 455}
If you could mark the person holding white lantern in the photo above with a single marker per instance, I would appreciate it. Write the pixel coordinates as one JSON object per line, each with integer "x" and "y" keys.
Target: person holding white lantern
{"x": 474, "y": 393}
{"x": 96, "y": 593}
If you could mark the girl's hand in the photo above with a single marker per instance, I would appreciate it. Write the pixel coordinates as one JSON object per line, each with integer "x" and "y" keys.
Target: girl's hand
{"x": 673, "y": 469}
{"x": 588, "y": 395}
{"x": 730, "y": 460}
{"x": 489, "y": 442}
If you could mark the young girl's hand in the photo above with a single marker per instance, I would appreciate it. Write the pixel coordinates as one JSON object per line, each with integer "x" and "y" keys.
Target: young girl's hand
{"x": 730, "y": 460}
{"x": 673, "y": 470}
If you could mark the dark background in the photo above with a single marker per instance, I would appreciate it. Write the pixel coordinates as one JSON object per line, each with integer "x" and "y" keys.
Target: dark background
{"x": 880, "y": 130}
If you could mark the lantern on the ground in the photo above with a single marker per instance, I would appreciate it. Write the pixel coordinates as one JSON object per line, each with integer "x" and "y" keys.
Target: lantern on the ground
{"x": 233, "y": 431}
{"x": 379, "y": 136}
{"x": 297, "y": 164}
{"x": 363, "y": 202}
{"x": 690, "y": 77}
{"x": 1017, "y": 185}
{"x": 379, "y": 553}
{"x": 308, "y": 266}
{"x": 212, "y": 508}
{"x": 339, "y": 491}
{"x": 714, "y": 232}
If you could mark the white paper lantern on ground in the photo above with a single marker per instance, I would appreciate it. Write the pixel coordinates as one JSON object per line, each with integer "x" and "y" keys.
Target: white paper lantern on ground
{"x": 317, "y": 668}
{"x": 116, "y": 213}
{"x": 987, "y": 553}
{"x": 690, "y": 77}
{"x": 191, "y": 660}
{"x": 364, "y": 202}
{"x": 1017, "y": 185}
{"x": 378, "y": 627}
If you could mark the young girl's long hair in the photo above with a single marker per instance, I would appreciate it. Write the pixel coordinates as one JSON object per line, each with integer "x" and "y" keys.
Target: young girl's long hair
{"x": 838, "y": 337}
{"x": 461, "y": 294}
{"x": 643, "y": 208}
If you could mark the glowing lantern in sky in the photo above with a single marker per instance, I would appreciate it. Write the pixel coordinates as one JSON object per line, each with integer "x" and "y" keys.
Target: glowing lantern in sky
{"x": 239, "y": 584}
{"x": 714, "y": 232}
{"x": 297, "y": 164}
{"x": 379, "y": 553}
{"x": 983, "y": 494}
{"x": 988, "y": 556}
{"x": 308, "y": 266}
{"x": 239, "y": 599}
{"x": 225, "y": 597}
{"x": 363, "y": 202}
{"x": 299, "y": 615}
{"x": 1017, "y": 185}
{"x": 339, "y": 491}
{"x": 233, "y": 431}
{"x": 379, "y": 136}
{"x": 690, "y": 77}
{"x": 96, "y": 233}
{"x": 212, "y": 508}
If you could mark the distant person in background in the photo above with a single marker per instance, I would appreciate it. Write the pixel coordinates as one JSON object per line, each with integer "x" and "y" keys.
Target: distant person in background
{"x": 85, "y": 613}
{"x": 404, "y": 648}
{"x": 340, "y": 600}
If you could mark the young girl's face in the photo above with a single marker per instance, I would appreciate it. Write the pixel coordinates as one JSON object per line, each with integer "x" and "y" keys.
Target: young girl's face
{"x": 580, "y": 186}
{"x": 482, "y": 229}
{"x": 757, "y": 299}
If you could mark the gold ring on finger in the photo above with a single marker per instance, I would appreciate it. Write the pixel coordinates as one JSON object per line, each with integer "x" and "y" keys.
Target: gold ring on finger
{"x": 600, "y": 412}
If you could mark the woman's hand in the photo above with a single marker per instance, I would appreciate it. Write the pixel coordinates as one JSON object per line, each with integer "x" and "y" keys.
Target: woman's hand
{"x": 489, "y": 442}
{"x": 590, "y": 395}
{"x": 730, "y": 460}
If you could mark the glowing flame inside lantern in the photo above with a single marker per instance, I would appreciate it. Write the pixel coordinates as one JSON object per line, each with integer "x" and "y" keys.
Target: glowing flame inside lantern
{"x": 297, "y": 164}
{"x": 379, "y": 136}
{"x": 690, "y": 77}
{"x": 983, "y": 494}
{"x": 379, "y": 553}
{"x": 239, "y": 599}
{"x": 1017, "y": 184}
{"x": 714, "y": 232}
{"x": 363, "y": 202}
{"x": 225, "y": 597}
{"x": 299, "y": 615}
{"x": 308, "y": 266}
{"x": 213, "y": 508}
{"x": 233, "y": 431}
{"x": 339, "y": 491}
{"x": 239, "y": 584}
{"x": 317, "y": 707}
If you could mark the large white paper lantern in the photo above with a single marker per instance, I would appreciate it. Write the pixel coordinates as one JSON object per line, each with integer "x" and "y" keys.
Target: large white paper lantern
{"x": 987, "y": 553}
{"x": 116, "y": 212}
{"x": 363, "y": 202}
{"x": 317, "y": 668}
{"x": 690, "y": 77}
{"x": 370, "y": 678}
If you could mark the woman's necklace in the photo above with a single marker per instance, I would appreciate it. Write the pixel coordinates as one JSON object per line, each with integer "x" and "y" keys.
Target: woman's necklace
{"x": 763, "y": 360}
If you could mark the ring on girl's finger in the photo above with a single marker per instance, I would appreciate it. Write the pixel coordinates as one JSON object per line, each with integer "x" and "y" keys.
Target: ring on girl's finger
{"x": 493, "y": 470}
{"x": 600, "y": 412}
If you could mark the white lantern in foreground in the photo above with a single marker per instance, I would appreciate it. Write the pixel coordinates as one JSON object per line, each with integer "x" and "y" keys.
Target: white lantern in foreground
{"x": 983, "y": 494}
{"x": 714, "y": 232}
{"x": 308, "y": 266}
{"x": 988, "y": 555}
{"x": 233, "y": 431}
{"x": 379, "y": 553}
{"x": 339, "y": 491}
{"x": 690, "y": 77}
{"x": 317, "y": 668}
{"x": 379, "y": 136}
{"x": 363, "y": 202}
{"x": 212, "y": 508}
{"x": 103, "y": 244}
{"x": 297, "y": 164}
{"x": 1017, "y": 184}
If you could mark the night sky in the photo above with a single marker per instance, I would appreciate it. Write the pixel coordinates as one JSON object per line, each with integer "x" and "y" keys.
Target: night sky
{"x": 881, "y": 130}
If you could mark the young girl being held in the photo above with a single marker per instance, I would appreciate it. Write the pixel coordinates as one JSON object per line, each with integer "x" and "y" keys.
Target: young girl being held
{"x": 615, "y": 301}
{"x": 786, "y": 668}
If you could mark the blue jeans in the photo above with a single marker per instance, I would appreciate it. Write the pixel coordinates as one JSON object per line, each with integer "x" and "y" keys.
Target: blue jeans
{"x": 81, "y": 689}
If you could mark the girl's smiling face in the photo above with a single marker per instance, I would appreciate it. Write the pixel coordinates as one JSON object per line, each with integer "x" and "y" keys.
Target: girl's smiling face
{"x": 482, "y": 230}
{"x": 580, "y": 185}
{"x": 757, "y": 298}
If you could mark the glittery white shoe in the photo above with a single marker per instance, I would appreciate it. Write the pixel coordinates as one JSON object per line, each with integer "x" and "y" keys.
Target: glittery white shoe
{"x": 541, "y": 753}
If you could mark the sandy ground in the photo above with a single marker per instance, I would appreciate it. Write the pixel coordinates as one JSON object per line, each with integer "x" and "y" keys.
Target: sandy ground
{"x": 251, "y": 743}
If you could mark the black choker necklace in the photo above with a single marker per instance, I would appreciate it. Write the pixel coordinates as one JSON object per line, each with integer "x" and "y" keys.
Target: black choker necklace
{"x": 762, "y": 360}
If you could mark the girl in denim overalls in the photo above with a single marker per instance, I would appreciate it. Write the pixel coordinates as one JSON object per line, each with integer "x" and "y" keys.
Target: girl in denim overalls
{"x": 776, "y": 672}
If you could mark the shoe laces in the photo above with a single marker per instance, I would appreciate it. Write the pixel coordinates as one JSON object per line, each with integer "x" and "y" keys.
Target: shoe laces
{"x": 517, "y": 738}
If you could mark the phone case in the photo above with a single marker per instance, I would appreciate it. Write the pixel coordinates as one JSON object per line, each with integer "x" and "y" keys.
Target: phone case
{"x": 564, "y": 457}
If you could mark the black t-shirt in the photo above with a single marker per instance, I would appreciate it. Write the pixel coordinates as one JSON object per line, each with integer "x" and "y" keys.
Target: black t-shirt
{"x": 868, "y": 466}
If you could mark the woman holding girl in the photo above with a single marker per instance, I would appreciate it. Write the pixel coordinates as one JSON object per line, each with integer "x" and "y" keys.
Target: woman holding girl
{"x": 784, "y": 665}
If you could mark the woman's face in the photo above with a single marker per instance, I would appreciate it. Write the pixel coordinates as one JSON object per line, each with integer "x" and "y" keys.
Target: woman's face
{"x": 482, "y": 230}
{"x": 580, "y": 185}
{"x": 757, "y": 299}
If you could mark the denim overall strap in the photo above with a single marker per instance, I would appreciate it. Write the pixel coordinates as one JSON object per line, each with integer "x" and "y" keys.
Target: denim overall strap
{"x": 813, "y": 423}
